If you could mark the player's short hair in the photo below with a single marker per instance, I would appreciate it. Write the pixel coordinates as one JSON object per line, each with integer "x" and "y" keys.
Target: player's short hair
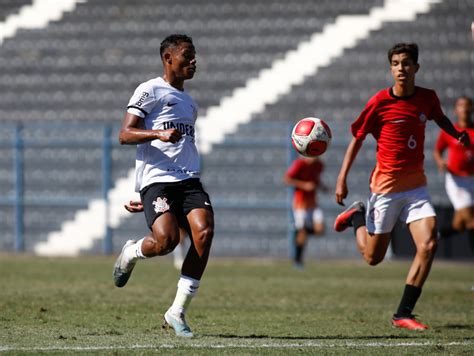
{"x": 464, "y": 97}
{"x": 410, "y": 48}
{"x": 172, "y": 41}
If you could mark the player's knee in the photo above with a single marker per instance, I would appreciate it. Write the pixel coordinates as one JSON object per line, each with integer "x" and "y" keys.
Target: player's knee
{"x": 374, "y": 260}
{"x": 163, "y": 244}
{"x": 427, "y": 248}
{"x": 203, "y": 239}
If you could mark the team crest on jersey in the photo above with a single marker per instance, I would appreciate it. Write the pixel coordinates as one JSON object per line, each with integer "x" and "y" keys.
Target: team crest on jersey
{"x": 422, "y": 118}
{"x": 160, "y": 205}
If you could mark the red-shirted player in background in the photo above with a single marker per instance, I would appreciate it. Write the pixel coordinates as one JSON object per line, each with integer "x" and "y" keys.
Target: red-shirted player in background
{"x": 304, "y": 175}
{"x": 396, "y": 118}
{"x": 459, "y": 169}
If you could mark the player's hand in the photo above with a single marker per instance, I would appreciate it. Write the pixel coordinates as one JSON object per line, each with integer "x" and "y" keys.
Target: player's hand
{"x": 170, "y": 135}
{"x": 464, "y": 139}
{"x": 341, "y": 191}
{"x": 134, "y": 206}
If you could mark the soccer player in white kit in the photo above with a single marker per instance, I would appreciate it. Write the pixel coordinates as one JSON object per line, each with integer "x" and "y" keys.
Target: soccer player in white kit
{"x": 160, "y": 120}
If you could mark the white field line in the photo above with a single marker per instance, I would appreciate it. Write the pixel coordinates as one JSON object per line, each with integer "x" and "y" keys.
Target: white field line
{"x": 319, "y": 51}
{"x": 213, "y": 345}
{"x": 36, "y": 16}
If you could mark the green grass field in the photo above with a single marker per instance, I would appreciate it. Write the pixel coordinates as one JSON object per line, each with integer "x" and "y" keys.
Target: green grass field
{"x": 243, "y": 307}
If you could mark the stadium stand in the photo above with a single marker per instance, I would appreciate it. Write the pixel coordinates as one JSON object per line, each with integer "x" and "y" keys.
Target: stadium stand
{"x": 11, "y": 7}
{"x": 84, "y": 68}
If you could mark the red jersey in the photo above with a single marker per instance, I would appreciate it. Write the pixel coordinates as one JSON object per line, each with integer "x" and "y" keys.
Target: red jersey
{"x": 460, "y": 158}
{"x": 398, "y": 126}
{"x": 309, "y": 171}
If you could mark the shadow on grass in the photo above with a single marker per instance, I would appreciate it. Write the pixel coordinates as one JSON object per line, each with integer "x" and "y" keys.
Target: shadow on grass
{"x": 457, "y": 327}
{"x": 335, "y": 337}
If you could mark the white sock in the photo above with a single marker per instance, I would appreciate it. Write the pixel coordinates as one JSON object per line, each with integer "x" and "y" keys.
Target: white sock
{"x": 134, "y": 252}
{"x": 138, "y": 249}
{"x": 187, "y": 289}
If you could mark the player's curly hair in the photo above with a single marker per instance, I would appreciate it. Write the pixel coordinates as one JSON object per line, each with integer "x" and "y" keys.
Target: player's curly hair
{"x": 410, "y": 48}
{"x": 173, "y": 40}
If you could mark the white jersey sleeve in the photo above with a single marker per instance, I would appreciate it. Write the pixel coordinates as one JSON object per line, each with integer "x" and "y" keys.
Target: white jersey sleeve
{"x": 142, "y": 101}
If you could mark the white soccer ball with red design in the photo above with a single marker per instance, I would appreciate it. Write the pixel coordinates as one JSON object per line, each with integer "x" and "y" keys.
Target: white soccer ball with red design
{"x": 311, "y": 137}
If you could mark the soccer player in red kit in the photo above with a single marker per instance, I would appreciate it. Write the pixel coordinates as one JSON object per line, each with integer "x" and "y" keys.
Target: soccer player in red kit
{"x": 459, "y": 169}
{"x": 304, "y": 175}
{"x": 396, "y": 117}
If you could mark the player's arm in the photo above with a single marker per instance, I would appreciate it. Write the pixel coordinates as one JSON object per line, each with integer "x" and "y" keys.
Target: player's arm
{"x": 438, "y": 150}
{"x": 447, "y": 126}
{"x": 132, "y": 134}
{"x": 349, "y": 157}
{"x": 438, "y": 157}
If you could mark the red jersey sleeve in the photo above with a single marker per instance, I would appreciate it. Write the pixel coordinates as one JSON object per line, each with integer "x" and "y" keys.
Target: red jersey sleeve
{"x": 294, "y": 169}
{"x": 366, "y": 121}
{"x": 441, "y": 142}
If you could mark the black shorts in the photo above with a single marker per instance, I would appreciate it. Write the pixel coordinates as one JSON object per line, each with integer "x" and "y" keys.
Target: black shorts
{"x": 178, "y": 198}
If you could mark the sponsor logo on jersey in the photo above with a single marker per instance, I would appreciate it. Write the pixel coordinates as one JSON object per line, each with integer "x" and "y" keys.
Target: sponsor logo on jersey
{"x": 160, "y": 205}
{"x": 185, "y": 129}
{"x": 171, "y": 104}
{"x": 142, "y": 98}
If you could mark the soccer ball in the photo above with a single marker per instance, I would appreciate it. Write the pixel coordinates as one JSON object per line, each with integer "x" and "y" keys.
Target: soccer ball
{"x": 311, "y": 137}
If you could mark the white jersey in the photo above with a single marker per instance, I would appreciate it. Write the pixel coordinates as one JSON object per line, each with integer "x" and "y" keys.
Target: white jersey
{"x": 164, "y": 107}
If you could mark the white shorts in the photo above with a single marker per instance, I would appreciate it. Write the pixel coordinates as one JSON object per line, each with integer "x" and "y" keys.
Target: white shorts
{"x": 460, "y": 190}
{"x": 383, "y": 210}
{"x": 307, "y": 218}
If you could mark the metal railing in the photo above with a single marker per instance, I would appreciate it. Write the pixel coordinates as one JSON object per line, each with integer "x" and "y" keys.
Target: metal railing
{"x": 19, "y": 137}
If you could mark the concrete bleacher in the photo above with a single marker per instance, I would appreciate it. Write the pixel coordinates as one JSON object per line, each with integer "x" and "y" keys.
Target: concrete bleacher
{"x": 85, "y": 67}
{"x": 11, "y": 7}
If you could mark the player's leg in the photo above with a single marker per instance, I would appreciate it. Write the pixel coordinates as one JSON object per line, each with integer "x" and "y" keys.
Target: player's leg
{"x": 372, "y": 228}
{"x": 423, "y": 232}
{"x": 179, "y": 251}
{"x": 162, "y": 240}
{"x": 300, "y": 243}
{"x": 159, "y": 205}
{"x": 421, "y": 219}
{"x": 201, "y": 224}
{"x": 470, "y": 227}
{"x": 319, "y": 227}
{"x": 460, "y": 191}
{"x": 373, "y": 247}
{"x": 301, "y": 236}
{"x": 459, "y": 220}
{"x": 424, "y": 236}
{"x": 464, "y": 221}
